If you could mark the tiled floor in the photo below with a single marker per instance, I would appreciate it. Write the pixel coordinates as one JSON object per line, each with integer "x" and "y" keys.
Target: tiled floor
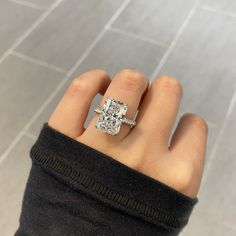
{"x": 44, "y": 44}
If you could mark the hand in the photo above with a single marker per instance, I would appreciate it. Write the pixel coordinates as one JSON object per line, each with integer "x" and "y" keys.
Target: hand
{"x": 145, "y": 147}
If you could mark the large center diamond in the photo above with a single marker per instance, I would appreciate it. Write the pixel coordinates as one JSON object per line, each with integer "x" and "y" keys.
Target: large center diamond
{"x": 110, "y": 118}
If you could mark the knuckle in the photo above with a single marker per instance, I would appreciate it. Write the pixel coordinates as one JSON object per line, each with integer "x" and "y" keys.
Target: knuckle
{"x": 99, "y": 73}
{"x": 88, "y": 81}
{"x": 167, "y": 83}
{"x": 185, "y": 182}
{"x": 197, "y": 121}
{"x": 102, "y": 71}
{"x": 94, "y": 71}
{"x": 183, "y": 179}
{"x": 132, "y": 80}
{"x": 79, "y": 84}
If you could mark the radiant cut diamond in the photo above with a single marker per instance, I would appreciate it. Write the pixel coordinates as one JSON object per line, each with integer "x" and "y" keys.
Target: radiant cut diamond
{"x": 110, "y": 118}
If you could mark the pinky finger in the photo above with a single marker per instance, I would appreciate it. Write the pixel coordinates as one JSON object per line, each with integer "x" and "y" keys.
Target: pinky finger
{"x": 189, "y": 143}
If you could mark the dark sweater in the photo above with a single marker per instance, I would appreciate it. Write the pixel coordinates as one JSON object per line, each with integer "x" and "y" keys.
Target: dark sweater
{"x": 74, "y": 189}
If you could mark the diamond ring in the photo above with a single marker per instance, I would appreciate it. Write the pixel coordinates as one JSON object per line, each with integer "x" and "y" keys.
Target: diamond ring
{"x": 112, "y": 115}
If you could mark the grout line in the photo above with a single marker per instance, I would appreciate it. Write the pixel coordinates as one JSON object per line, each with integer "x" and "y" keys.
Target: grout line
{"x": 31, "y": 29}
{"x": 38, "y": 62}
{"x": 137, "y": 37}
{"x": 99, "y": 36}
{"x": 64, "y": 80}
{"x": 31, "y": 136}
{"x": 214, "y": 150}
{"x": 117, "y": 13}
{"x": 174, "y": 42}
{"x": 225, "y": 13}
{"x": 27, "y": 4}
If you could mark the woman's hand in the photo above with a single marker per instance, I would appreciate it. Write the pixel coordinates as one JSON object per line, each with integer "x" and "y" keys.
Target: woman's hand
{"x": 145, "y": 147}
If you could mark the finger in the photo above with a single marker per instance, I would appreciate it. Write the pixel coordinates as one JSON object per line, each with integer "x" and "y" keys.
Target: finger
{"x": 158, "y": 110}
{"x": 71, "y": 112}
{"x": 128, "y": 87}
{"x": 188, "y": 146}
{"x": 190, "y": 138}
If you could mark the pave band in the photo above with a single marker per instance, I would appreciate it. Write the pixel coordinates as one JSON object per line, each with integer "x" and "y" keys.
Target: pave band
{"x": 112, "y": 116}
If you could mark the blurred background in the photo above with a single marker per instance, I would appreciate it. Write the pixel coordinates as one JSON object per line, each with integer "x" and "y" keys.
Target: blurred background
{"x": 44, "y": 44}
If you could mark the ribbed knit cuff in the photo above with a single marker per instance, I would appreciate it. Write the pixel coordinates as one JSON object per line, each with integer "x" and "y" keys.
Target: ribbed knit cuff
{"x": 105, "y": 179}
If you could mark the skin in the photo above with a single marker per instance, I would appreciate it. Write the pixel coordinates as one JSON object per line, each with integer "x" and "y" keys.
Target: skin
{"x": 148, "y": 147}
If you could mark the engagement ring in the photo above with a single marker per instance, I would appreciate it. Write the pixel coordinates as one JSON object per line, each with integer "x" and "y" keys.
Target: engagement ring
{"x": 112, "y": 115}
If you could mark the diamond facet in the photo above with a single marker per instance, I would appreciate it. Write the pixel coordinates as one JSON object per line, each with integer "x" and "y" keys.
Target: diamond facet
{"x": 110, "y": 118}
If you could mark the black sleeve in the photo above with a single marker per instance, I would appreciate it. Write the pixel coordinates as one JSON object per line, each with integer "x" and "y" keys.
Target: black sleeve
{"x": 74, "y": 189}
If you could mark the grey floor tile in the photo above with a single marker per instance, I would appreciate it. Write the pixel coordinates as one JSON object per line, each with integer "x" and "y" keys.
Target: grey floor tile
{"x": 14, "y": 171}
{"x": 10, "y": 28}
{"x": 221, "y": 5}
{"x": 199, "y": 225}
{"x": 204, "y": 61}
{"x": 62, "y": 38}
{"x": 159, "y": 20}
{"x": 213, "y": 133}
{"x": 220, "y": 182}
{"x": 117, "y": 51}
{"x": 114, "y": 52}
{"x": 44, "y": 4}
{"x": 24, "y": 90}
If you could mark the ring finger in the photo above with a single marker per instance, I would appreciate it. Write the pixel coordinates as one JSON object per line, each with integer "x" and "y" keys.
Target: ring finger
{"x": 127, "y": 86}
